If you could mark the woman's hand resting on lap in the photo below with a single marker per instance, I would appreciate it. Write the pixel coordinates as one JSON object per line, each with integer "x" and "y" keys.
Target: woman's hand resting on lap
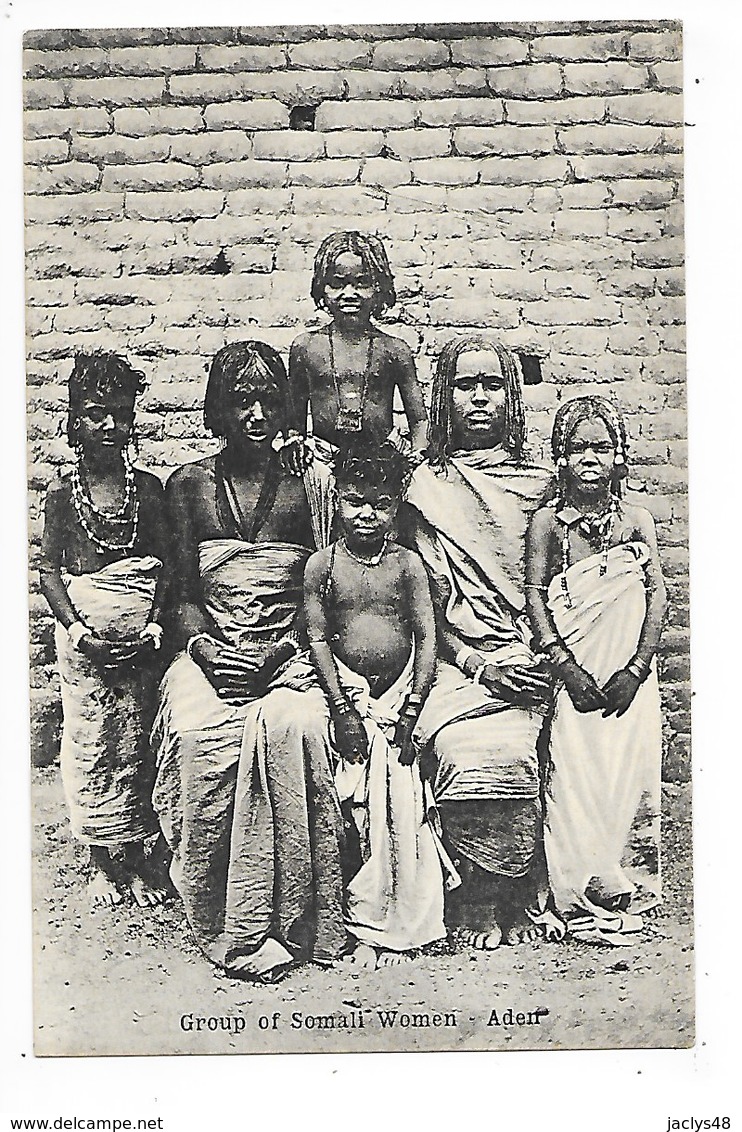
{"x": 231, "y": 674}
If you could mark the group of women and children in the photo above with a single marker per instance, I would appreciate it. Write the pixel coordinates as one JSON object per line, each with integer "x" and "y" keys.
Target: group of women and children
{"x": 405, "y": 682}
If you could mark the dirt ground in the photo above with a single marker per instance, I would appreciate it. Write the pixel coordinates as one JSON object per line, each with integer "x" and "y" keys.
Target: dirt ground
{"x": 128, "y": 981}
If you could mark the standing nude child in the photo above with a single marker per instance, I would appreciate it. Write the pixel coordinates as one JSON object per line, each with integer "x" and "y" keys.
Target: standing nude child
{"x": 101, "y": 572}
{"x": 347, "y": 372}
{"x": 372, "y": 636}
{"x": 596, "y": 599}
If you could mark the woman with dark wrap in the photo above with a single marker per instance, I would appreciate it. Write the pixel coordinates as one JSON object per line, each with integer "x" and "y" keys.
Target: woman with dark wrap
{"x": 244, "y": 788}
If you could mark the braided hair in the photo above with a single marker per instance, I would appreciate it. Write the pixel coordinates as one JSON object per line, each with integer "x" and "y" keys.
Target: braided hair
{"x": 99, "y": 375}
{"x": 439, "y": 428}
{"x": 372, "y": 253}
{"x": 254, "y": 360}
{"x": 573, "y": 413}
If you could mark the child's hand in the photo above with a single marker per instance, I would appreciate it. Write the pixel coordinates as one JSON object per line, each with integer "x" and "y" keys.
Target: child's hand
{"x": 295, "y": 456}
{"x": 583, "y": 691}
{"x": 109, "y": 654}
{"x": 403, "y": 737}
{"x": 619, "y": 693}
{"x": 350, "y": 735}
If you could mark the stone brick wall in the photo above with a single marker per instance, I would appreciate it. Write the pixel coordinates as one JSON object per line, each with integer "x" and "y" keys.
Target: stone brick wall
{"x": 526, "y": 178}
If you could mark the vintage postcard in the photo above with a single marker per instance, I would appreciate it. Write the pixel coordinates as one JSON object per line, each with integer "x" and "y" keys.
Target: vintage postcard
{"x": 358, "y": 538}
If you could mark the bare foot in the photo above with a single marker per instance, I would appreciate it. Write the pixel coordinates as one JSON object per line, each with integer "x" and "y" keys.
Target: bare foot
{"x": 267, "y": 961}
{"x": 392, "y": 958}
{"x": 103, "y": 892}
{"x": 363, "y": 955}
{"x": 523, "y": 930}
{"x": 482, "y": 941}
{"x": 146, "y": 895}
{"x": 548, "y": 924}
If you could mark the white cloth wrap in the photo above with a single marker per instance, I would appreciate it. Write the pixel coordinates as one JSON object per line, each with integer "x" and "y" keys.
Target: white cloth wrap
{"x": 602, "y": 814}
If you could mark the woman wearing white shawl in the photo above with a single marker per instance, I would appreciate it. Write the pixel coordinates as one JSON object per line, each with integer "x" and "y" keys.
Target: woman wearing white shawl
{"x": 471, "y": 504}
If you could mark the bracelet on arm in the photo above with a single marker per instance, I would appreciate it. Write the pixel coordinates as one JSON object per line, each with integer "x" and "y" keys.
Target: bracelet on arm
{"x": 193, "y": 641}
{"x": 464, "y": 654}
{"x": 556, "y": 653}
{"x": 76, "y": 631}
{"x": 477, "y": 677}
{"x": 412, "y": 705}
{"x": 639, "y": 668}
{"x": 340, "y": 705}
{"x": 154, "y": 632}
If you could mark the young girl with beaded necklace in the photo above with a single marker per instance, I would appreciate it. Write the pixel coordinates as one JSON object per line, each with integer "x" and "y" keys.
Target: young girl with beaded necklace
{"x": 596, "y": 599}
{"x": 103, "y": 548}
{"x": 348, "y": 371}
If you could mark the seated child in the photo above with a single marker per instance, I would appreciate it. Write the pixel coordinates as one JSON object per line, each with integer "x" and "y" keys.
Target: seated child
{"x": 102, "y": 553}
{"x": 596, "y": 599}
{"x": 372, "y": 637}
{"x": 347, "y": 371}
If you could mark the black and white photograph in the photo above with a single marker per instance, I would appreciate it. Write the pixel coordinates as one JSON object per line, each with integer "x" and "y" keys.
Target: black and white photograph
{"x": 369, "y": 639}
{"x": 357, "y": 467}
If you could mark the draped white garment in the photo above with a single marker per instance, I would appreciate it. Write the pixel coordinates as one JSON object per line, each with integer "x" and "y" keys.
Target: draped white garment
{"x": 602, "y": 813}
{"x": 395, "y": 900}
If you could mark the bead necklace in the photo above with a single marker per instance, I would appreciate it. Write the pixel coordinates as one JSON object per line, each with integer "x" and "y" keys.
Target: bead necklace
{"x": 374, "y": 560}
{"x": 350, "y": 419}
{"x": 127, "y": 514}
{"x": 602, "y": 524}
{"x": 80, "y": 486}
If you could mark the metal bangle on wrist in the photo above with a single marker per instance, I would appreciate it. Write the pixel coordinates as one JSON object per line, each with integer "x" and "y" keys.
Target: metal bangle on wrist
{"x": 76, "y": 631}
{"x": 153, "y": 631}
{"x": 638, "y": 668}
{"x": 340, "y": 706}
{"x": 193, "y": 640}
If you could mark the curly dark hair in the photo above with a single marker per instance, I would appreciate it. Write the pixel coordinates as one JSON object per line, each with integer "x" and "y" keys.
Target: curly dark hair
{"x": 367, "y": 464}
{"x": 439, "y": 427}
{"x": 254, "y": 360}
{"x": 99, "y": 375}
{"x": 372, "y": 253}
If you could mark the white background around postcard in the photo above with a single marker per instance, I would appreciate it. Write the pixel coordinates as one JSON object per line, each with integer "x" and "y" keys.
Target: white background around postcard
{"x": 619, "y": 1091}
